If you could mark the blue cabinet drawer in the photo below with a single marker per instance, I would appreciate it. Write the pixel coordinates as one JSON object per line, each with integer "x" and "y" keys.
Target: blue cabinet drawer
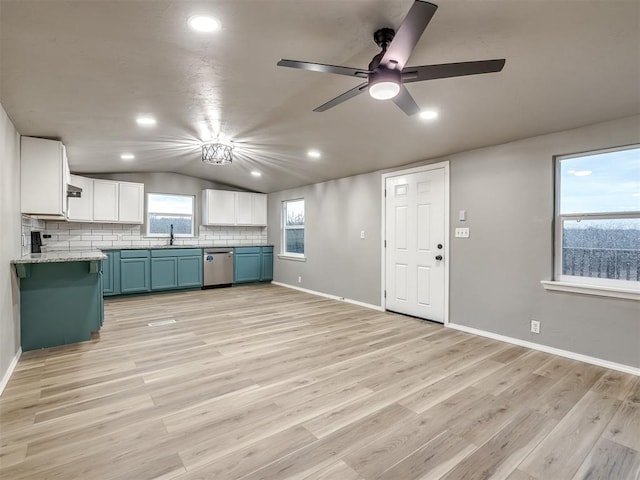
{"x": 242, "y": 250}
{"x": 176, "y": 252}
{"x": 134, "y": 254}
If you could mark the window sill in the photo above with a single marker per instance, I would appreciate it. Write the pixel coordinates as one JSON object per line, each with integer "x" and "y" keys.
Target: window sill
{"x": 300, "y": 258}
{"x": 627, "y": 293}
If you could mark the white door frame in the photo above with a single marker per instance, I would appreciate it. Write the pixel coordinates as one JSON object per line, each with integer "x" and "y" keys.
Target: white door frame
{"x": 447, "y": 251}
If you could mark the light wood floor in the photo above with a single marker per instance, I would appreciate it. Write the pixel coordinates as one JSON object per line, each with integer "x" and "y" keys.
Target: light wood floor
{"x": 263, "y": 382}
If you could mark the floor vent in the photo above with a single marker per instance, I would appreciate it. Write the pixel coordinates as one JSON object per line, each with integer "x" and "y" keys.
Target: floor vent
{"x": 161, "y": 322}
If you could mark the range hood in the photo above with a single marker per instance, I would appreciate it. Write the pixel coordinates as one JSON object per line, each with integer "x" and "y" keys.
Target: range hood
{"x": 73, "y": 191}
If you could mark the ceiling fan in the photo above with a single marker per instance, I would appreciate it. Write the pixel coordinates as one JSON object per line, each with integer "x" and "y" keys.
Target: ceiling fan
{"x": 387, "y": 73}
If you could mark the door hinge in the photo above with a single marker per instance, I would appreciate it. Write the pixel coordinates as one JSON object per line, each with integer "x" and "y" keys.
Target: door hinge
{"x": 385, "y": 294}
{"x": 385, "y": 192}
{"x": 385, "y": 244}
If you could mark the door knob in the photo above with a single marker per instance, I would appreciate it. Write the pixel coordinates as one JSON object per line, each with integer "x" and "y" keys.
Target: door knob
{"x": 438, "y": 257}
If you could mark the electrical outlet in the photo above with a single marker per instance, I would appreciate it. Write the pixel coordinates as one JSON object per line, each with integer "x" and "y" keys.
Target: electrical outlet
{"x": 299, "y": 279}
{"x": 535, "y": 326}
{"x": 361, "y": 233}
{"x": 462, "y": 233}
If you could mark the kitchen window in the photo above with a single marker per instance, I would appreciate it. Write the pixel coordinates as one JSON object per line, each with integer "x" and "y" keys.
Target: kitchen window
{"x": 166, "y": 210}
{"x": 293, "y": 228}
{"x": 597, "y": 221}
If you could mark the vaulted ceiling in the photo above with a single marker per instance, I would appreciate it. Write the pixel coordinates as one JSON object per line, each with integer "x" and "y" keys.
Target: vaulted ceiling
{"x": 82, "y": 71}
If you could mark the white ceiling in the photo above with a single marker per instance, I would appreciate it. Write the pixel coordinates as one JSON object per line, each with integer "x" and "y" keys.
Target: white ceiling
{"x": 82, "y": 70}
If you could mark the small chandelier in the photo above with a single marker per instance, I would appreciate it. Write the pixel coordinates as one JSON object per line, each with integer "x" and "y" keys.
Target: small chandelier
{"x": 217, "y": 152}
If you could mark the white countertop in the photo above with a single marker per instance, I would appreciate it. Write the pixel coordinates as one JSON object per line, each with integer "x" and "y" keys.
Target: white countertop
{"x": 59, "y": 256}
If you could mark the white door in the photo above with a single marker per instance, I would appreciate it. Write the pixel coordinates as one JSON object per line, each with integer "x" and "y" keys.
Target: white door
{"x": 131, "y": 202}
{"x": 244, "y": 208}
{"x": 105, "y": 201}
{"x": 415, "y": 244}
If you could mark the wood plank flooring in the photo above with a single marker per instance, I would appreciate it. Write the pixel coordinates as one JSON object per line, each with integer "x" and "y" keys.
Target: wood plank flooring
{"x": 264, "y": 382}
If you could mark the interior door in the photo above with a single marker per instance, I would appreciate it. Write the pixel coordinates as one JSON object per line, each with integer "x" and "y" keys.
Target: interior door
{"x": 415, "y": 250}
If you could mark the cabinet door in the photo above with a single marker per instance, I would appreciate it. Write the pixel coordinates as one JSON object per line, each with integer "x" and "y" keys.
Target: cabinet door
{"x": 220, "y": 207}
{"x": 43, "y": 186}
{"x": 131, "y": 202}
{"x": 134, "y": 275}
{"x": 105, "y": 201}
{"x": 164, "y": 273}
{"x": 81, "y": 209}
{"x": 246, "y": 267}
{"x": 190, "y": 271}
{"x": 259, "y": 201}
{"x": 244, "y": 208}
{"x": 266, "y": 274}
{"x": 107, "y": 275}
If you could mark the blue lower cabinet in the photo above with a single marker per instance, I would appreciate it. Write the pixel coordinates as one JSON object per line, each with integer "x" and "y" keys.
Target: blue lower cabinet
{"x": 246, "y": 265}
{"x": 135, "y": 273}
{"x": 60, "y": 303}
{"x": 111, "y": 273}
{"x": 164, "y": 273}
{"x": 253, "y": 264}
{"x": 266, "y": 272}
{"x": 190, "y": 271}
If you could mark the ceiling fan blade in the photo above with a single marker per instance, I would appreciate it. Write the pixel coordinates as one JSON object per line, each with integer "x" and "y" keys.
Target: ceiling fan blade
{"x": 408, "y": 34}
{"x": 446, "y": 70}
{"x": 405, "y": 101}
{"x": 321, "y": 67}
{"x": 342, "y": 98}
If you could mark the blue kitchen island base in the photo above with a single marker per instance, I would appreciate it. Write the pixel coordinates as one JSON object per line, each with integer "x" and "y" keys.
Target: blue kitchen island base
{"x": 60, "y": 303}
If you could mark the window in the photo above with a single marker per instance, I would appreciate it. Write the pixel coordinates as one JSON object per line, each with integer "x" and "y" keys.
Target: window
{"x": 165, "y": 210}
{"x": 293, "y": 228}
{"x": 597, "y": 226}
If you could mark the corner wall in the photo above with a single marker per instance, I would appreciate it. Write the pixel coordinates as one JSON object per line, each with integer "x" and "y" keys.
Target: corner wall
{"x": 10, "y": 234}
{"x": 507, "y": 191}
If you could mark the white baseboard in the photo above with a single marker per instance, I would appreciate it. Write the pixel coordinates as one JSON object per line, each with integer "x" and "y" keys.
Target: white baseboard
{"x": 543, "y": 348}
{"x": 332, "y": 297}
{"x": 9, "y": 372}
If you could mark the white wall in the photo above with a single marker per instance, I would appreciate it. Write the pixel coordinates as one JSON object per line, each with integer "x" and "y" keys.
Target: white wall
{"x": 507, "y": 191}
{"x": 10, "y": 231}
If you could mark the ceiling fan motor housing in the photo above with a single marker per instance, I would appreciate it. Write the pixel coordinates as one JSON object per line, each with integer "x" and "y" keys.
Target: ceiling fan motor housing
{"x": 384, "y": 83}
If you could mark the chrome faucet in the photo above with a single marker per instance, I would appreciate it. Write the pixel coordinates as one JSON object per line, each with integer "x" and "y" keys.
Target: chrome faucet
{"x": 171, "y": 235}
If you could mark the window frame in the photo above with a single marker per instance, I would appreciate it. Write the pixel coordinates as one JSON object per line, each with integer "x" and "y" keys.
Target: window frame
{"x": 559, "y": 219}
{"x": 183, "y": 215}
{"x": 285, "y": 227}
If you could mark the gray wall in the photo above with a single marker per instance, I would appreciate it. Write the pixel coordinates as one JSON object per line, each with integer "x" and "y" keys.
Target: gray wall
{"x": 338, "y": 261}
{"x": 10, "y": 232}
{"x": 166, "y": 182}
{"x": 507, "y": 191}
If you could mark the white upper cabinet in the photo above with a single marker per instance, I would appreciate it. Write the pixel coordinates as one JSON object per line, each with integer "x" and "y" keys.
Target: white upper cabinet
{"x": 105, "y": 201}
{"x": 81, "y": 209}
{"x": 131, "y": 202}
{"x": 259, "y": 202}
{"x": 223, "y": 207}
{"x": 44, "y": 174}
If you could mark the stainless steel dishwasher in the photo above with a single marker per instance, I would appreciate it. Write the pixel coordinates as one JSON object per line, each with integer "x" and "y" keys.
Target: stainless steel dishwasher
{"x": 217, "y": 268}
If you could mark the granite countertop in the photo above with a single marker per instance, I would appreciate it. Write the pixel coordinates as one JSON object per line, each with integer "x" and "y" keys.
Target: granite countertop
{"x": 54, "y": 257}
{"x": 159, "y": 247}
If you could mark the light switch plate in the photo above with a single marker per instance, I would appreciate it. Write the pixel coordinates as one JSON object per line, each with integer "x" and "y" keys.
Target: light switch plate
{"x": 462, "y": 233}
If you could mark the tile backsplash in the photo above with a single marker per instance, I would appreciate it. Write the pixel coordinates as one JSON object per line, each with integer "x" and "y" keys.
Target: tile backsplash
{"x": 30, "y": 224}
{"x": 81, "y": 236}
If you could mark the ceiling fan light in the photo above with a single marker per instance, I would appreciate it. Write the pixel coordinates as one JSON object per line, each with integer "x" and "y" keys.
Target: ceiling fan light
{"x": 384, "y": 90}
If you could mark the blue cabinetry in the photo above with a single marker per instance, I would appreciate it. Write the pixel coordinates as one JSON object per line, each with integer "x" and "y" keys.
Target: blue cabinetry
{"x": 176, "y": 268}
{"x": 111, "y": 273}
{"x": 60, "y": 303}
{"x": 135, "y": 271}
{"x": 253, "y": 264}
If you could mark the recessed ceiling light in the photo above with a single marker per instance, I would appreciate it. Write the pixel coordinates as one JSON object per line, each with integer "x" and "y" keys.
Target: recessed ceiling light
{"x": 256, "y": 173}
{"x": 314, "y": 154}
{"x": 428, "y": 114}
{"x": 146, "y": 121}
{"x": 204, "y": 24}
{"x": 127, "y": 156}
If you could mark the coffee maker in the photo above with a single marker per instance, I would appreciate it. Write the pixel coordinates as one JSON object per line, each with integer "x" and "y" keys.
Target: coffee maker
{"x": 36, "y": 242}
